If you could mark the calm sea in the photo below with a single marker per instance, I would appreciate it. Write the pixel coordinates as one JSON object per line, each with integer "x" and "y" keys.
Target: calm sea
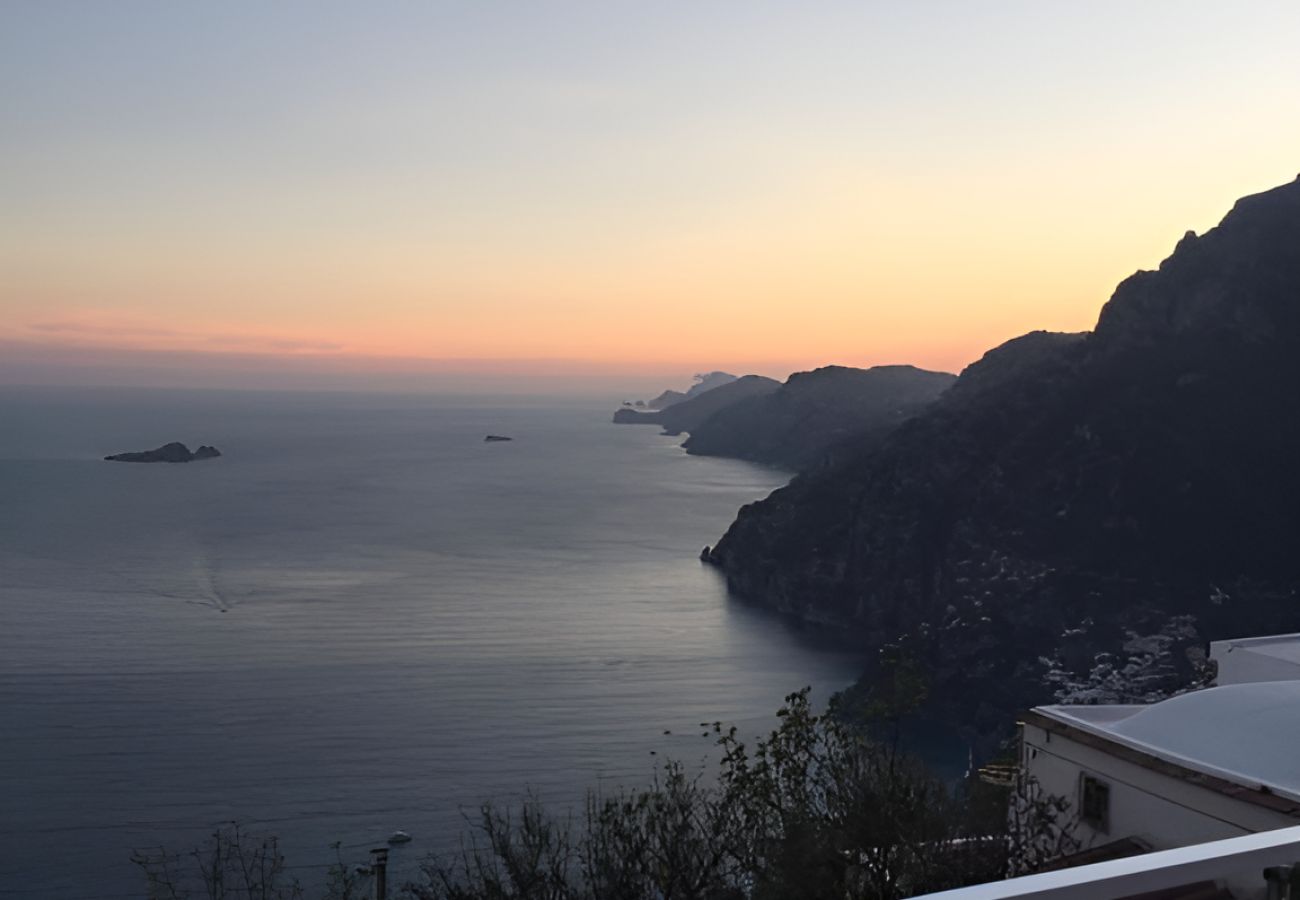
{"x": 361, "y": 618}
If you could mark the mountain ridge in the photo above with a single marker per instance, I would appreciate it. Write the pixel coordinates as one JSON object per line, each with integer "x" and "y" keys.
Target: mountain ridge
{"x": 815, "y": 415}
{"x": 1070, "y": 493}
{"x": 686, "y": 414}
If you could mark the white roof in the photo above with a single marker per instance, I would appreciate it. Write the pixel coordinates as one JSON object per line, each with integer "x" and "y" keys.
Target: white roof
{"x": 1244, "y": 733}
{"x": 1280, "y": 646}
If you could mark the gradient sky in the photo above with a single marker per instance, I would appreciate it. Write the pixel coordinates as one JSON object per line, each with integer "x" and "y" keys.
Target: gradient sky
{"x": 624, "y": 189}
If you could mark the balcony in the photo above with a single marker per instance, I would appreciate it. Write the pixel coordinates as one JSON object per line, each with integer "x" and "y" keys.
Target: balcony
{"x": 1233, "y": 867}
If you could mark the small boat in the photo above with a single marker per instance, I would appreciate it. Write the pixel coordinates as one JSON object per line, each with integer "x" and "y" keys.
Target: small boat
{"x": 493, "y": 438}
{"x": 399, "y": 837}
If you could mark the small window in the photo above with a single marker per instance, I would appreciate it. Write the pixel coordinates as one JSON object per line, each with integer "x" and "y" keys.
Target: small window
{"x": 1094, "y": 803}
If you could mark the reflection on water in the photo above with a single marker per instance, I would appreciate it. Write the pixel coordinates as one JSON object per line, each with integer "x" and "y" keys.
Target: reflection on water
{"x": 362, "y": 618}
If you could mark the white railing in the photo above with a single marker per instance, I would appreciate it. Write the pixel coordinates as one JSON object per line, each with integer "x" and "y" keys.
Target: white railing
{"x": 1148, "y": 872}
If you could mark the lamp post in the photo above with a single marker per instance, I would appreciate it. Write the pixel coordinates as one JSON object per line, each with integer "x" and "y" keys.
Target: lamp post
{"x": 379, "y": 862}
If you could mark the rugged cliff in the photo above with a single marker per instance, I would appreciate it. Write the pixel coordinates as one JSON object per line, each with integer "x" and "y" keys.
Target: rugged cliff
{"x": 686, "y": 415}
{"x": 1072, "y": 495}
{"x": 817, "y": 416}
{"x": 704, "y": 382}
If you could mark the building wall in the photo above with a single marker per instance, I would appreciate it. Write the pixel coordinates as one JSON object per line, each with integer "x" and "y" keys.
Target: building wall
{"x": 1164, "y": 812}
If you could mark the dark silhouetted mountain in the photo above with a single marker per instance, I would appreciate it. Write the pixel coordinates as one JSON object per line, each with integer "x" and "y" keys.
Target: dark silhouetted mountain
{"x": 689, "y": 413}
{"x": 175, "y": 452}
{"x": 816, "y": 416}
{"x": 707, "y": 381}
{"x": 703, "y": 383}
{"x": 1075, "y": 505}
{"x": 666, "y": 399}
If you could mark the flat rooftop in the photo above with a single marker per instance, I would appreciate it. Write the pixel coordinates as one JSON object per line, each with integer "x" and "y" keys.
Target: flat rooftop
{"x": 1244, "y": 733}
{"x": 1279, "y": 646}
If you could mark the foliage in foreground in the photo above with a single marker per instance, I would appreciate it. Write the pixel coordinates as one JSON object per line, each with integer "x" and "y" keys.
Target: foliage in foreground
{"x": 236, "y": 865}
{"x": 818, "y": 809}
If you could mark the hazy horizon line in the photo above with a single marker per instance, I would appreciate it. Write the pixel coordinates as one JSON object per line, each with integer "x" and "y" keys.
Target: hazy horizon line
{"x": 29, "y": 363}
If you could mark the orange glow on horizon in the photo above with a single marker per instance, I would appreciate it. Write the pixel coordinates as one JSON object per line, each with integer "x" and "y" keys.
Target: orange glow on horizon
{"x": 829, "y": 283}
{"x": 736, "y": 186}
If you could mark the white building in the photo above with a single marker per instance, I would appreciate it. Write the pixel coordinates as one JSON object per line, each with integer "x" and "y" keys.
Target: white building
{"x": 1273, "y": 658}
{"x": 1204, "y": 766}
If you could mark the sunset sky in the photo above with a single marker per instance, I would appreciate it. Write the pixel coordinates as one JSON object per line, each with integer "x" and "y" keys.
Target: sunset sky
{"x": 523, "y": 193}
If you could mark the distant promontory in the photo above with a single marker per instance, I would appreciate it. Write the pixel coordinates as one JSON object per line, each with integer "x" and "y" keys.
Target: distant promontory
{"x": 685, "y": 415}
{"x": 810, "y": 420}
{"x": 175, "y": 452}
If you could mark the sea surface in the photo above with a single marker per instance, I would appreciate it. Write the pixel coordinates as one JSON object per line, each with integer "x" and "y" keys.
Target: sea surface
{"x": 361, "y": 618}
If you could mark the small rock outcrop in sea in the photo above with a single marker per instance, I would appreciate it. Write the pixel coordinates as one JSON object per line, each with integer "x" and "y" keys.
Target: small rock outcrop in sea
{"x": 175, "y": 452}
{"x": 494, "y": 438}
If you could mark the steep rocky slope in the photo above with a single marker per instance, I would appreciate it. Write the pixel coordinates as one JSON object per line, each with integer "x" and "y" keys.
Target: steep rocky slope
{"x": 815, "y": 416}
{"x": 1072, "y": 496}
{"x": 686, "y": 415}
{"x": 705, "y": 381}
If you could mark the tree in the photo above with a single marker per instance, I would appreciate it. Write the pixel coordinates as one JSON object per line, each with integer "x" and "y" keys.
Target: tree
{"x": 818, "y": 809}
{"x": 232, "y": 864}
{"x": 235, "y": 865}
{"x": 828, "y": 806}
